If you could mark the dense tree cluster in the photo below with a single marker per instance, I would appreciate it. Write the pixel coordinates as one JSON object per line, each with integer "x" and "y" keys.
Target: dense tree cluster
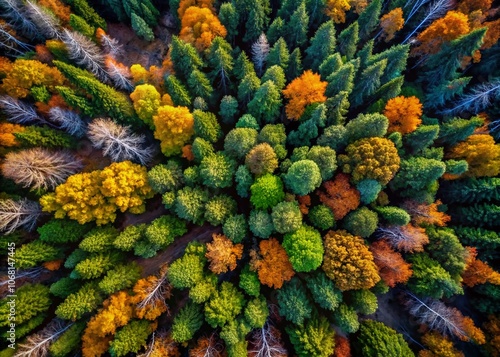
{"x": 254, "y": 186}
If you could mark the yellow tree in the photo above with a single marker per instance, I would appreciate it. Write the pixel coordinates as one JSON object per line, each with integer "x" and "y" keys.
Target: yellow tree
{"x": 117, "y": 311}
{"x": 97, "y": 195}
{"x": 174, "y": 127}
{"x": 7, "y": 131}
{"x": 450, "y": 27}
{"x": 223, "y": 254}
{"x": 150, "y": 294}
{"x": 199, "y": 26}
{"x": 302, "y": 91}
{"x": 348, "y": 262}
{"x": 481, "y": 153}
{"x": 146, "y": 101}
{"x": 26, "y": 74}
{"x": 336, "y": 9}
{"x": 391, "y": 22}
{"x": 403, "y": 114}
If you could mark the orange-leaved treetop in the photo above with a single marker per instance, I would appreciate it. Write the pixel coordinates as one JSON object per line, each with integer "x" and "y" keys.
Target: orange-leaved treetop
{"x": 302, "y": 91}
{"x": 403, "y": 113}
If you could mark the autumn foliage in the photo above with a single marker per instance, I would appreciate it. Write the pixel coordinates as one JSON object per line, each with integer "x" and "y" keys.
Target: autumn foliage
{"x": 392, "y": 267}
{"x": 479, "y": 272}
{"x": 174, "y": 127}
{"x": 438, "y": 346}
{"x": 481, "y": 153}
{"x": 391, "y": 23}
{"x": 339, "y": 196}
{"x": 26, "y": 74}
{"x": 423, "y": 213}
{"x": 453, "y": 25}
{"x": 271, "y": 263}
{"x": 7, "y": 131}
{"x": 117, "y": 311}
{"x": 199, "y": 26}
{"x": 336, "y": 9}
{"x": 150, "y": 294}
{"x": 97, "y": 195}
{"x": 302, "y": 91}
{"x": 348, "y": 262}
{"x": 403, "y": 114}
{"x": 342, "y": 347}
{"x": 223, "y": 254}
{"x": 407, "y": 238}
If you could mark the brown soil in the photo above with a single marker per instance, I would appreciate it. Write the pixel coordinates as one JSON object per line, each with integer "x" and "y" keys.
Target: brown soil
{"x": 201, "y": 234}
{"x": 137, "y": 50}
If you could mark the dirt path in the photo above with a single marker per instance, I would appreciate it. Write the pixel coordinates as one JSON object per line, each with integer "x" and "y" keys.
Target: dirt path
{"x": 201, "y": 234}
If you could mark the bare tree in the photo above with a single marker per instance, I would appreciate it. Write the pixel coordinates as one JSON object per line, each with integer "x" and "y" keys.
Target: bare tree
{"x": 40, "y": 168}
{"x": 161, "y": 343}
{"x": 119, "y": 142}
{"x": 9, "y": 43}
{"x": 404, "y": 238}
{"x": 477, "y": 100}
{"x": 437, "y": 316}
{"x": 47, "y": 23}
{"x": 38, "y": 344}
{"x": 15, "y": 214}
{"x": 208, "y": 347}
{"x": 266, "y": 342}
{"x": 260, "y": 50}
{"x": 13, "y": 12}
{"x": 156, "y": 292}
{"x": 19, "y": 112}
{"x": 85, "y": 53}
{"x": 68, "y": 121}
{"x": 120, "y": 75}
{"x": 111, "y": 46}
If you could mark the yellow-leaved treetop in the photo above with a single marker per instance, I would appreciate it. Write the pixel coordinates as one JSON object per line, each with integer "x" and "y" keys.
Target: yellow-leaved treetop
{"x": 199, "y": 26}
{"x": 26, "y": 74}
{"x": 481, "y": 153}
{"x": 302, "y": 91}
{"x": 348, "y": 262}
{"x": 7, "y": 131}
{"x": 174, "y": 127}
{"x": 146, "y": 101}
{"x": 445, "y": 29}
{"x": 403, "y": 113}
{"x": 336, "y": 9}
{"x": 97, "y": 195}
{"x": 223, "y": 254}
{"x": 117, "y": 311}
{"x": 371, "y": 158}
{"x": 391, "y": 22}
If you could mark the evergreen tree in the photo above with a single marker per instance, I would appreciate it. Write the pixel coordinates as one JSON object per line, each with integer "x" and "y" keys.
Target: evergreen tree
{"x": 266, "y": 103}
{"x": 130, "y": 338}
{"x": 342, "y": 80}
{"x": 323, "y": 291}
{"x": 376, "y": 339}
{"x": 187, "y": 321}
{"x": 278, "y": 54}
{"x": 229, "y": 17}
{"x": 294, "y": 68}
{"x": 141, "y": 28}
{"x": 330, "y": 65}
{"x": 293, "y": 302}
{"x": 369, "y": 19}
{"x": 296, "y": 27}
{"x": 321, "y": 46}
{"x": 457, "y": 129}
{"x": 76, "y": 305}
{"x": 177, "y": 91}
{"x": 348, "y": 41}
{"x": 315, "y": 338}
{"x": 184, "y": 58}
